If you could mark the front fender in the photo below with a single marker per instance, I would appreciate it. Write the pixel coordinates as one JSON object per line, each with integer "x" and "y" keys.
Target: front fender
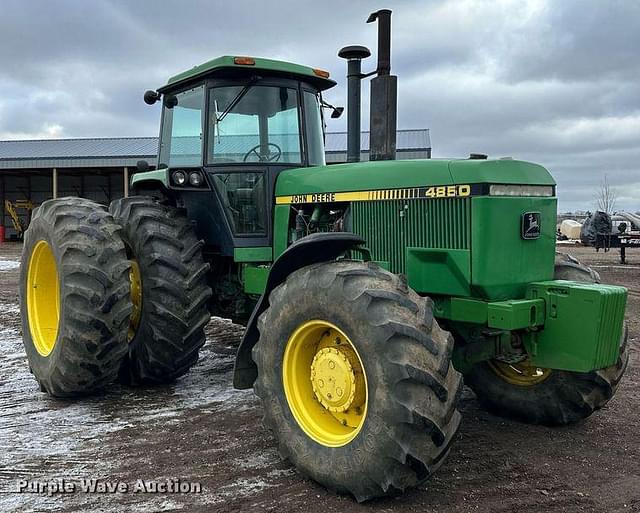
{"x": 312, "y": 249}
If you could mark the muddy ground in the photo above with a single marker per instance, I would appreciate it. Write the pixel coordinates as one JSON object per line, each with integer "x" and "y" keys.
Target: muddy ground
{"x": 201, "y": 430}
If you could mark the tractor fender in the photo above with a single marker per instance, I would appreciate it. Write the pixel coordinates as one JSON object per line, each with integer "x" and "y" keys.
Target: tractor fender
{"x": 312, "y": 249}
{"x": 151, "y": 183}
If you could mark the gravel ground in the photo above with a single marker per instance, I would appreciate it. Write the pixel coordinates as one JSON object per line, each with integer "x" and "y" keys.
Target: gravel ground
{"x": 202, "y": 431}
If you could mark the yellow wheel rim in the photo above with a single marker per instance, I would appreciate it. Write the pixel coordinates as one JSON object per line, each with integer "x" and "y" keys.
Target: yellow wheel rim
{"x": 325, "y": 383}
{"x": 136, "y": 299}
{"x": 43, "y": 298}
{"x": 522, "y": 374}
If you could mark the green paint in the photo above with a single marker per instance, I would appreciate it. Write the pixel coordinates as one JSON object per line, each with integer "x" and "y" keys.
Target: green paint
{"x": 461, "y": 310}
{"x": 280, "y": 229}
{"x": 157, "y": 175}
{"x": 502, "y": 263}
{"x": 503, "y": 171}
{"x": 392, "y": 227}
{"x": 255, "y": 254}
{"x": 255, "y": 278}
{"x": 225, "y": 65}
{"x": 363, "y": 175}
{"x": 503, "y": 315}
{"x": 439, "y": 271}
{"x": 583, "y": 325}
{"x": 570, "y": 326}
{"x": 408, "y": 173}
{"x": 515, "y": 314}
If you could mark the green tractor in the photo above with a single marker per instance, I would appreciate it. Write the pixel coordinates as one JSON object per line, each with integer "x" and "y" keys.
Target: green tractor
{"x": 369, "y": 290}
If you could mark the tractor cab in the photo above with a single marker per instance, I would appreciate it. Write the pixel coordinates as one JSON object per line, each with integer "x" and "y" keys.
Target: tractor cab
{"x": 229, "y": 127}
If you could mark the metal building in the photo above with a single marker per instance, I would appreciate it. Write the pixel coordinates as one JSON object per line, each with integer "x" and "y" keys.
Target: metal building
{"x": 99, "y": 169}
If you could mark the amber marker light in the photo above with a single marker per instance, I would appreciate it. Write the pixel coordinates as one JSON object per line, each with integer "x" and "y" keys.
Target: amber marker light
{"x": 245, "y": 61}
{"x": 321, "y": 73}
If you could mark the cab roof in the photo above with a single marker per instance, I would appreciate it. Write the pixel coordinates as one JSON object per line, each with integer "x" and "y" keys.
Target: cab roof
{"x": 229, "y": 64}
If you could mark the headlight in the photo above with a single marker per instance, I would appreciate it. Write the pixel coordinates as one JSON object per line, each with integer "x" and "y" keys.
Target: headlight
{"x": 521, "y": 190}
{"x": 179, "y": 178}
{"x": 195, "y": 179}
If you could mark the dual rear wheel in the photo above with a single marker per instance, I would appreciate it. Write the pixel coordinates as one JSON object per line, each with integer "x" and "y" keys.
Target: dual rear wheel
{"x": 111, "y": 295}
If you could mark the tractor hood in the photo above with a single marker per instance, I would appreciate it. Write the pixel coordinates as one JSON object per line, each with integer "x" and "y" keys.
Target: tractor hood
{"x": 392, "y": 174}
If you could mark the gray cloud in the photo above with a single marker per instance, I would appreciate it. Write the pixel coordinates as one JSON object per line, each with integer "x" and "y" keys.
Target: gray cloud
{"x": 552, "y": 82}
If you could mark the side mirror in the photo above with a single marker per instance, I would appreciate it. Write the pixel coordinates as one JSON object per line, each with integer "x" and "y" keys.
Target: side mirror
{"x": 142, "y": 166}
{"x": 336, "y": 112}
{"x": 151, "y": 97}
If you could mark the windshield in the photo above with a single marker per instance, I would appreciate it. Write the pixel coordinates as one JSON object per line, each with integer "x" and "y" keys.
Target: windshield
{"x": 258, "y": 124}
{"x": 181, "y": 137}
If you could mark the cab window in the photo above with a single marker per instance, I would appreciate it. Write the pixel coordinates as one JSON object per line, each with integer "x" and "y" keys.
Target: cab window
{"x": 181, "y": 135}
{"x": 253, "y": 124}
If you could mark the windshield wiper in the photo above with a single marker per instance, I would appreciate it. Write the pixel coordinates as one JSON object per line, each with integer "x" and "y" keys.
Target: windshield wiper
{"x": 236, "y": 99}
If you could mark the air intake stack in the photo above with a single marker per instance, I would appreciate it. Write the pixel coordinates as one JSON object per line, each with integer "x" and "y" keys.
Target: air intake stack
{"x": 354, "y": 55}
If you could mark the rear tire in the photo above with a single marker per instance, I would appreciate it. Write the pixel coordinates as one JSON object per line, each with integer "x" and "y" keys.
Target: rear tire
{"x": 168, "y": 328}
{"x": 410, "y": 416}
{"x": 563, "y": 397}
{"x": 74, "y": 297}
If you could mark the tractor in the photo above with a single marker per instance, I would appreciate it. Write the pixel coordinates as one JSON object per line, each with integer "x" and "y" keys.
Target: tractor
{"x": 369, "y": 290}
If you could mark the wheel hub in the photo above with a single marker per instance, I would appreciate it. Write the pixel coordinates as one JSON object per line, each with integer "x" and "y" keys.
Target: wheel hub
{"x": 333, "y": 379}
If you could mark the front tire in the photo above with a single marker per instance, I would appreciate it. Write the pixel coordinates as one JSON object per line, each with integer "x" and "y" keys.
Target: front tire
{"x": 169, "y": 290}
{"x": 74, "y": 297}
{"x": 355, "y": 378}
{"x": 545, "y": 396}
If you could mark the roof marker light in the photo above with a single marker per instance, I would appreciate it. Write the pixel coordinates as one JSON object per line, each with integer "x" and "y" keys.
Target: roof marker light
{"x": 245, "y": 61}
{"x": 321, "y": 73}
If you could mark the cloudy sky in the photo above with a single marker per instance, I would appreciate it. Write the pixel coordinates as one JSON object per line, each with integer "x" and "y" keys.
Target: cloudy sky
{"x": 556, "y": 82}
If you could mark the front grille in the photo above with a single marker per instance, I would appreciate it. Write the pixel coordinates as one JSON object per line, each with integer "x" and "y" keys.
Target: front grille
{"x": 391, "y": 226}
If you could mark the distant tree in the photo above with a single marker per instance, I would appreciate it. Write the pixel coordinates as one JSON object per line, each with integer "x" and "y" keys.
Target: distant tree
{"x": 606, "y": 196}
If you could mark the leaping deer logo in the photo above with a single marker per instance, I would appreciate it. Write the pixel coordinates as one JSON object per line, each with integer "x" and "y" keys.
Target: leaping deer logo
{"x": 533, "y": 224}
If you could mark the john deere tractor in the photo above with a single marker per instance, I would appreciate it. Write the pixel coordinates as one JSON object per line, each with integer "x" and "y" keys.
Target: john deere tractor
{"x": 369, "y": 289}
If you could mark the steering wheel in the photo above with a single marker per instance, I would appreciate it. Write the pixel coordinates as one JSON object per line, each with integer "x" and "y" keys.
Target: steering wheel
{"x": 270, "y": 157}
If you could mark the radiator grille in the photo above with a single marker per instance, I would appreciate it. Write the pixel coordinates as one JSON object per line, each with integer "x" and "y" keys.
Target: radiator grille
{"x": 391, "y": 226}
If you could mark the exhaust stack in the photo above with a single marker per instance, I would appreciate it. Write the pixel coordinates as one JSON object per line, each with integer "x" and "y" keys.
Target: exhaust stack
{"x": 384, "y": 94}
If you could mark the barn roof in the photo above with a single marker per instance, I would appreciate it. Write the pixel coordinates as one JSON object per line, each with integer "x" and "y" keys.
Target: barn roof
{"x": 126, "y": 151}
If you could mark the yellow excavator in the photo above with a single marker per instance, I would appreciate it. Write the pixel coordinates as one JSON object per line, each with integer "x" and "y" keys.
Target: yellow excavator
{"x": 12, "y": 209}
